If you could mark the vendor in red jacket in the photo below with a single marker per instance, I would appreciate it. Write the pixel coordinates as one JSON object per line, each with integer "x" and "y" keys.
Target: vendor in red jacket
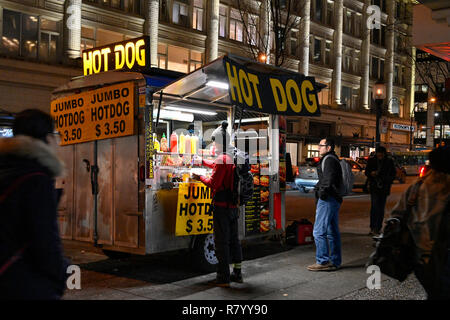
{"x": 228, "y": 246}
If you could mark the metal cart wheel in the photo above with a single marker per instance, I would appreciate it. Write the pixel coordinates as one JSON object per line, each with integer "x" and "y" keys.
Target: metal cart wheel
{"x": 204, "y": 253}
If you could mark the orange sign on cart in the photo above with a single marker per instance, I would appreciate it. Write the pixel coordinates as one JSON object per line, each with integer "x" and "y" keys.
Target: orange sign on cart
{"x": 94, "y": 115}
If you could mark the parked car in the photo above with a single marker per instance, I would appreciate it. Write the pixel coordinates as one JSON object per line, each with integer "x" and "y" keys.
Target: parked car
{"x": 358, "y": 172}
{"x": 362, "y": 161}
{"x": 307, "y": 177}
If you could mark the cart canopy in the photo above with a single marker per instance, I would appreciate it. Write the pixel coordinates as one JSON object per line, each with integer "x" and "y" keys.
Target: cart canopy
{"x": 155, "y": 79}
{"x": 255, "y": 87}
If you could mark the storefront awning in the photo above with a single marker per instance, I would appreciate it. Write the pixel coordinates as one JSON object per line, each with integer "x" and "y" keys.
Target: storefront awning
{"x": 255, "y": 87}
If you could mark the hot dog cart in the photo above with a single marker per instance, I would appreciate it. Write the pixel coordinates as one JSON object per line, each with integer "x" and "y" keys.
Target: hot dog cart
{"x": 131, "y": 143}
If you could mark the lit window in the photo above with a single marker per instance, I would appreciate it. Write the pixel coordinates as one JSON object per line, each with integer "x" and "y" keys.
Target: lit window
{"x": 223, "y": 21}
{"x": 177, "y": 59}
{"x": 236, "y": 26}
{"x": 162, "y": 56}
{"x": 196, "y": 60}
{"x": 29, "y": 36}
{"x": 197, "y": 16}
{"x": 180, "y": 14}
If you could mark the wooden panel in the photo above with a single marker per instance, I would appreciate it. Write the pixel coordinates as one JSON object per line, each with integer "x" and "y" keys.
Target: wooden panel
{"x": 126, "y": 191}
{"x": 84, "y": 201}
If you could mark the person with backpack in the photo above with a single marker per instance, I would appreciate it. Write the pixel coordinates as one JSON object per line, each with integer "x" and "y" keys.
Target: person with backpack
{"x": 32, "y": 266}
{"x": 424, "y": 209}
{"x": 326, "y": 226}
{"x": 380, "y": 171}
{"x": 225, "y": 208}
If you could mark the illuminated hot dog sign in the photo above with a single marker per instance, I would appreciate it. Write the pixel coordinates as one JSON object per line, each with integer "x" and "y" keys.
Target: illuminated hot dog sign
{"x": 291, "y": 94}
{"x": 133, "y": 54}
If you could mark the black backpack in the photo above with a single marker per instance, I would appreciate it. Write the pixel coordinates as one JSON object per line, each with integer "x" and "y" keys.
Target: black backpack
{"x": 243, "y": 179}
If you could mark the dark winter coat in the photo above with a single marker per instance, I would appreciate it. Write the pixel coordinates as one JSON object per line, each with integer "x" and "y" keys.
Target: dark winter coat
{"x": 28, "y": 218}
{"x": 425, "y": 208}
{"x": 386, "y": 173}
{"x": 330, "y": 179}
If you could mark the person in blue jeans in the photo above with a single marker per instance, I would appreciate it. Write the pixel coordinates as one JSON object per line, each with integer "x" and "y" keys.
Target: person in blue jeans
{"x": 326, "y": 226}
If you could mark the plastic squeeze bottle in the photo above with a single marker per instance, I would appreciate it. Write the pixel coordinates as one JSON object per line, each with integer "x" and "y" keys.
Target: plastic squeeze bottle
{"x": 164, "y": 143}
{"x": 156, "y": 145}
{"x": 188, "y": 144}
{"x": 194, "y": 141}
{"x": 182, "y": 143}
{"x": 174, "y": 143}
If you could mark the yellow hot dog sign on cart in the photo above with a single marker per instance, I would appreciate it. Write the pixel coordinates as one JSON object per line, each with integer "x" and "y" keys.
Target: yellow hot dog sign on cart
{"x": 194, "y": 210}
{"x": 290, "y": 94}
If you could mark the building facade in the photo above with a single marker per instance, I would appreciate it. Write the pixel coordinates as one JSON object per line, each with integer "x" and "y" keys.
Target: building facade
{"x": 432, "y": 76}
{"x": 42, "y": 42}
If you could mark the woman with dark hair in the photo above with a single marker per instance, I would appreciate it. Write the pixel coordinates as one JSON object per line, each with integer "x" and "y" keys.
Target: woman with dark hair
{"x": 31, "y": 259}
{"x": 425, "y": 208}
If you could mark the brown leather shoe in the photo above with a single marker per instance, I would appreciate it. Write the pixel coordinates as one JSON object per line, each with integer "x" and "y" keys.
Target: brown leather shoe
{"x": 322, "y": 267}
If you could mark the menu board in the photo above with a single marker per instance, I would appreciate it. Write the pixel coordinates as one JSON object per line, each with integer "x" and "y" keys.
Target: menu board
{"x": 264, "y": 208}
{"x": 149, "y": 143}
{"x": 252, "y": 219}
{"x": 257, "y": 210}
{"x": 282, "y": 156}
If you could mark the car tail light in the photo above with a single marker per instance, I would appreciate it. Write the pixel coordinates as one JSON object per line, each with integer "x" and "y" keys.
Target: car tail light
{"x": 422, "y": 171}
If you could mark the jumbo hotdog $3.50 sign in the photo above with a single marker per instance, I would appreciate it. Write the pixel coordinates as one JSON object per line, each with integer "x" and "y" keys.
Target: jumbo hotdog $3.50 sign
{"x": 194, "y": 210}
{"x": 97, "y": 114}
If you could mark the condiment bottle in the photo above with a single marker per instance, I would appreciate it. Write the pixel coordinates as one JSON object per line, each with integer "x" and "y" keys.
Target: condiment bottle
{"x": 182, "y": 143}
{"x": 164, "y": 143}
{"x": 188, "y": 144}
{"x": 156, "y": 145}
{"x": 194, "y": 141}
{"x": 174, "y": 143}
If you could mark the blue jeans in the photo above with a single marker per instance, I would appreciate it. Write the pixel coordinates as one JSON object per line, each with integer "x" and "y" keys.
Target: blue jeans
{"x": 326, "y": 232}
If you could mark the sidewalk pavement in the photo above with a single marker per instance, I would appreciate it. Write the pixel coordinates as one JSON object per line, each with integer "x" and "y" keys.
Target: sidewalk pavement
{"x": 281, "y": 276}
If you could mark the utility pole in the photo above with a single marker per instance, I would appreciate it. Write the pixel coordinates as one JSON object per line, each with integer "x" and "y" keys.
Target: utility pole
{"x": 411, "y": 132}
{"x": 379, "y": 94}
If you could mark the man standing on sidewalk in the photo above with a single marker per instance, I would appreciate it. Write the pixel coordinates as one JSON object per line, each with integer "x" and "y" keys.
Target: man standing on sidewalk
{"x": 225, "y": 212}
{"x": 380, "y": 171}
{"x": 326, "y": 226}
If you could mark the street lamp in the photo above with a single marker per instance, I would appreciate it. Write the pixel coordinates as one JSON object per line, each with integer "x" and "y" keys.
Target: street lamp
{"x": 379, "y": 94}
{"x": 262, "y": 57}
{"x": 411, "y": 129}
